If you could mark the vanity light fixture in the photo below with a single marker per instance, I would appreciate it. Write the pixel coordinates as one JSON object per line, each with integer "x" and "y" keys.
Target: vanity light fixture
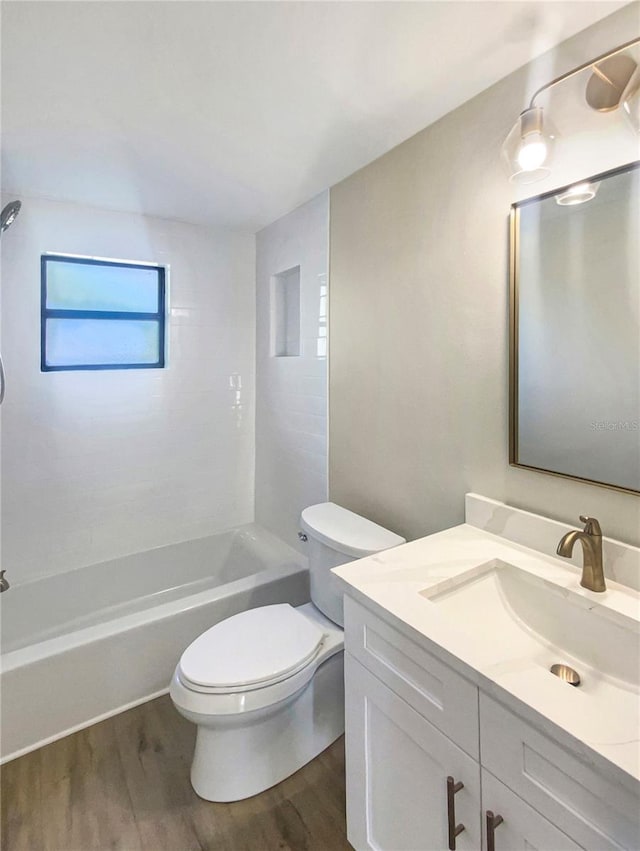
{"x": 577, "y": 194}
{"x": 631, "y": 102}
{"x": 527, "y": 149}
{"x": 614, "y": 82}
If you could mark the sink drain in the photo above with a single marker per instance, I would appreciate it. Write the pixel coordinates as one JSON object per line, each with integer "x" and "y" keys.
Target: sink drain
{"x": 566, "y": 673}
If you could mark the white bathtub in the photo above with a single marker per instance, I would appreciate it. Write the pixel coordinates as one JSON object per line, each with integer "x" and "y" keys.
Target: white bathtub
{"x": 83, "y": 645}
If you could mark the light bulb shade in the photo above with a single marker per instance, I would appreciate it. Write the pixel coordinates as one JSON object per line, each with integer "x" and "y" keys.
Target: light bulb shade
{"x": 630, "y": 102}
{"x": 527, "y": 150}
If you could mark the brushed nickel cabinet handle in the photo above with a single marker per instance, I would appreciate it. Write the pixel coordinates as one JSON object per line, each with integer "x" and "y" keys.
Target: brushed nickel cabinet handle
{"x": 3, "y": 382}
{"x": 492, "y": 822}
{"x": 454, "y": 829}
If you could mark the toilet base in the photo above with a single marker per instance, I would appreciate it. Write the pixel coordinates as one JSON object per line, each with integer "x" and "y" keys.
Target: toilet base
{"x": 237, "y": 757}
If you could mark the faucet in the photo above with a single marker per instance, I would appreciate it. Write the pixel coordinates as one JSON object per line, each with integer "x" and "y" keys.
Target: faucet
{"x": 591, "y": 540}
{"x": 4, "y": 583}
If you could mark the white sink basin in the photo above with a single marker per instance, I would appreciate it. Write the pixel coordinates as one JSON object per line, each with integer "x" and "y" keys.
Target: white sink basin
{"x": 502, "y": 614}
{"x": 514, "y": 615}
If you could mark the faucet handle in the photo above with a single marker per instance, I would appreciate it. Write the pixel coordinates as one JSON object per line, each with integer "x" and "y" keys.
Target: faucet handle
{"x": 591, "y": 525}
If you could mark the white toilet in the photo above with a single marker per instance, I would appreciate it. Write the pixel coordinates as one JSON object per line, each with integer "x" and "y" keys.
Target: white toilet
{"x": 265, "y": 686}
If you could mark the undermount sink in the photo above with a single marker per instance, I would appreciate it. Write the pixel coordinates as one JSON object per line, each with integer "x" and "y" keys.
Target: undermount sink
{"x": 511, "y": 614}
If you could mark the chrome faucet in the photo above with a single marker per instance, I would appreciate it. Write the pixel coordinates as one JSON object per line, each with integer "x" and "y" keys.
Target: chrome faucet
{"x": 4, "y": 583}
{"x": 591, "y": 540}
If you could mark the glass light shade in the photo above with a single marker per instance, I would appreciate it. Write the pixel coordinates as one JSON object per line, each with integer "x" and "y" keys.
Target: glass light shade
{"x": 630, "y": 102}
{"x": 527, "y": 150}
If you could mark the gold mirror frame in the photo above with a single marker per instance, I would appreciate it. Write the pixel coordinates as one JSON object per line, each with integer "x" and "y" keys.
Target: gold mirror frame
{"x": 514, "y": 221}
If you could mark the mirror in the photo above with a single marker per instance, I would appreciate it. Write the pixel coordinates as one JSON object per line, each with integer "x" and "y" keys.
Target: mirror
{"x": 575, "y": 331}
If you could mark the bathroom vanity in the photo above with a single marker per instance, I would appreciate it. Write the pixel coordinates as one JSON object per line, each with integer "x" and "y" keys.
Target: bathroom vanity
{"x": 458, "y": 734}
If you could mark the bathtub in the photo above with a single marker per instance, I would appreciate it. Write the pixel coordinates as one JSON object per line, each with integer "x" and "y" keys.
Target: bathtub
{"x": 83, "y": 645}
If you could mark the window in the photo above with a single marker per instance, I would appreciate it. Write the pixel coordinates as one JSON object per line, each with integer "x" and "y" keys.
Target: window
{"x": 101, "y": 314}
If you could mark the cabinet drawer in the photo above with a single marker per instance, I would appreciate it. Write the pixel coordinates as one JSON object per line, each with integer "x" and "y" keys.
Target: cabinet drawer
{"x": 599, "y": 814}
{"x": 436, "y": 691}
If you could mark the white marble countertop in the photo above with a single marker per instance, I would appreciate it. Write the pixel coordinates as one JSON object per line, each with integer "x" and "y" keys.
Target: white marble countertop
{"x": 601, "y": 718}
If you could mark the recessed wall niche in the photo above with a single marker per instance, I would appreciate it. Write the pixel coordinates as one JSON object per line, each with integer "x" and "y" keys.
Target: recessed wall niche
{"x": 285, "y": 313}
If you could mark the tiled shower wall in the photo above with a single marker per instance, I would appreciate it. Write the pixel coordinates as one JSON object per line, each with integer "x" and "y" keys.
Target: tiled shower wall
{"x": 98, "y": 464}
{"x": 291, "y": 391}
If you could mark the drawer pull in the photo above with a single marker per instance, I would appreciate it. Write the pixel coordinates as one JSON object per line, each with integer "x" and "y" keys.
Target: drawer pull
{"x": 492, "y": 822}
{"x": 454, "y": 829}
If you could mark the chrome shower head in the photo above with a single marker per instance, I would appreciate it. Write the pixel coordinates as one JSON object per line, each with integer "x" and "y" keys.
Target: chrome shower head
{"x": 8, "y": 215}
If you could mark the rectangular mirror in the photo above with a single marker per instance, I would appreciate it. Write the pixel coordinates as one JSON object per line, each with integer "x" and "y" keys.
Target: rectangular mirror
{"x": 575, "y": 331}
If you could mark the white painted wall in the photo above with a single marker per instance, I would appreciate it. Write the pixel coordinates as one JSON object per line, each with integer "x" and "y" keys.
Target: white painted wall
{"x": 291, "y": 395}
{"x": 419, "y": 310}
{"x": 99, "y": 464}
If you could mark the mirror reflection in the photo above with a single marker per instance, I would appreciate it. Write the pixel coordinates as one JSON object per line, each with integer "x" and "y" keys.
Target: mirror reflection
{"x": 575, "y": 369}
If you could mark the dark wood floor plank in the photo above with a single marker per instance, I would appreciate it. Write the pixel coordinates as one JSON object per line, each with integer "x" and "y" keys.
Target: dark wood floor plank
{"x": 20, "y": 803}
{"x": 154, "y": 785}
{"x": 123, "y": 785}
{"x": 58, "y": 762}
{"x": 117, "y": 828}
{"x": 85, "y": 801}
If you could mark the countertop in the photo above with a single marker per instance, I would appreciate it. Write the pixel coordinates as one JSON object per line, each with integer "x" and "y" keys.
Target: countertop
{"x": 600, "y": 719}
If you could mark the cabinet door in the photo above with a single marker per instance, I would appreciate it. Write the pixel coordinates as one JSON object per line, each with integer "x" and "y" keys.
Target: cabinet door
{"x": 397, "y": 769}
{"x": 522, "y": 828}
{"x": 598, "y": 808}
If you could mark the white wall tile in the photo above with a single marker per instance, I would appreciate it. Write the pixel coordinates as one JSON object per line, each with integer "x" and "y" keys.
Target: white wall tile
{"x": 291, "y": 392}
{"x": 99, "y": 464}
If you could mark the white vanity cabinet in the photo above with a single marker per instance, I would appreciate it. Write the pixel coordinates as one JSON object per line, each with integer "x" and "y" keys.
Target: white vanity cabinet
{"x": 412, "y": 722}
{"x": 397, "y": 766}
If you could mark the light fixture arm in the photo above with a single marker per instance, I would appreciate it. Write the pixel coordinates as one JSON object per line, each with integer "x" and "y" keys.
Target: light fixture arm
{"x": 590, "y": 64}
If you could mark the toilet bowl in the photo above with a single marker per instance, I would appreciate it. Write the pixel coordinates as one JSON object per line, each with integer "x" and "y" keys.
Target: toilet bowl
{"x": 253, "y": 734}
{"x": 265, "y": 687}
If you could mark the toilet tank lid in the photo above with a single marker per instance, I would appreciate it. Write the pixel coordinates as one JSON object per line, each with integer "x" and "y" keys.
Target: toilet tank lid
{"x": 346, "y": 532}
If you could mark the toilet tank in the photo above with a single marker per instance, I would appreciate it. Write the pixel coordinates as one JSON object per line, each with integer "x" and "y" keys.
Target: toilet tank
{"x": 337, "y": 536}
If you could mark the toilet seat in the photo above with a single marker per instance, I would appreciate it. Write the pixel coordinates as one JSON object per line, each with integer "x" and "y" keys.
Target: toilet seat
{"x": 200, "y": 701}
{"x": 251, "y": 650}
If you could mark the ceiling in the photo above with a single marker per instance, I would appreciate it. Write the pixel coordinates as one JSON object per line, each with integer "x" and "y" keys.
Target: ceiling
{"x": 233, "y": 113}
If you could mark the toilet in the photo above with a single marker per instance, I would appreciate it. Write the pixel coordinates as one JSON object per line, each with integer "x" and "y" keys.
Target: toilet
{"x": 265, "y": 687}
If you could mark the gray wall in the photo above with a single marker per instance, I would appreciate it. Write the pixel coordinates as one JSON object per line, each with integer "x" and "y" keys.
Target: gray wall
{"x": 419, "y": 311}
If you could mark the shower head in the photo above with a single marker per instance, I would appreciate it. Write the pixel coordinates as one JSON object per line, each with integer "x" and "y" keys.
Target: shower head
{"x": 8, "y": 215}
